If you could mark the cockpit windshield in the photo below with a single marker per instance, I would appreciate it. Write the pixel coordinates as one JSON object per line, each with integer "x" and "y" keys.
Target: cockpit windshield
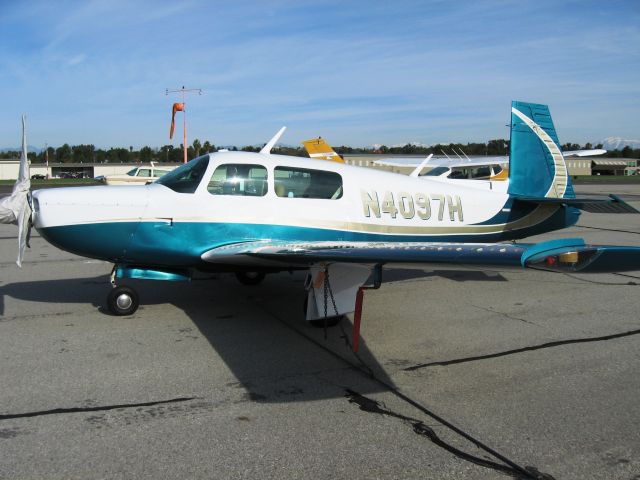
{"x": 186, "y": 178}
{"x": 132, "y": 173}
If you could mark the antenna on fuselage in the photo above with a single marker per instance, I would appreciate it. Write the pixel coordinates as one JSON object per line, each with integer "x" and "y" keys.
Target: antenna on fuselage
{"x": 266, "y": 150}
{"x": 419, "y": 168}
{"x": 445, "y": 154}
{"x": 465, "y": 155}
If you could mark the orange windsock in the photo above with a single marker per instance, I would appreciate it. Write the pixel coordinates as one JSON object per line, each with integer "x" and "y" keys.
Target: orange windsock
{"x": 177, "y": 107}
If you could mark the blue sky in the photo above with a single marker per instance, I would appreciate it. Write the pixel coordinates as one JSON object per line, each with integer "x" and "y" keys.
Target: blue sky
{"x": 356, "y": 73}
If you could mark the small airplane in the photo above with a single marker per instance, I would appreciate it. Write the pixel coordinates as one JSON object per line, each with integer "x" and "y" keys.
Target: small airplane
{"x": 259, "y": 213}
{"x": 489, "y": 173}
{"x": 319, "y": 149}
{"x": 137, "y": 176}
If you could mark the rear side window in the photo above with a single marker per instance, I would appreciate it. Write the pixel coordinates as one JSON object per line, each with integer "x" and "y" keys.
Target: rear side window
{"x": 239, "y": 179}
{"x": 481, "y": 172}
{"x": 305, "y": 183}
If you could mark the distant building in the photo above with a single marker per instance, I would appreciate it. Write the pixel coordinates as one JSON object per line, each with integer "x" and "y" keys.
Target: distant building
{"x": 9, "y": 169}
{"x": 577, "y": 166}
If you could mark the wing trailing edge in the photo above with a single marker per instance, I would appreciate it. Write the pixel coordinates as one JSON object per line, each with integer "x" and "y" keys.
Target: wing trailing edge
{"x": 613, "y": 204}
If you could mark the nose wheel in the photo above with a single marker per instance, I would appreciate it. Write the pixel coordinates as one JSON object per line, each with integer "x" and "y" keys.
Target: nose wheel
{"x": 122, "y": 301}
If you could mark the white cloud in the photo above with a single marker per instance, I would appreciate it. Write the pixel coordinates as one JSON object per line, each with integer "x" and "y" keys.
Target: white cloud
{"x": 76, "y": 59}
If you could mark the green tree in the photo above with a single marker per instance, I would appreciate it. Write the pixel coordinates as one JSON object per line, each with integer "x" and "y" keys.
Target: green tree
{"x": 570, "y": 146}
{"x": 208, "y": 146}
{"x": 64, "y": 154}
{"x": 176, "y": 155}
{"x": 83, "y": 153}
{"x": 196, "y": 147}
{"x": 118, "y": 155}
{"x": 146, "y": 154}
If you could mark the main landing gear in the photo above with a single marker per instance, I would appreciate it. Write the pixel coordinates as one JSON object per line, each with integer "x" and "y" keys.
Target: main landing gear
{"x": 250, "y": 278}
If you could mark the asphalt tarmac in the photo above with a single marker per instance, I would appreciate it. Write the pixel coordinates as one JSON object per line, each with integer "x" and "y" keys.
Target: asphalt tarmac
{"x": 212, "y": 379}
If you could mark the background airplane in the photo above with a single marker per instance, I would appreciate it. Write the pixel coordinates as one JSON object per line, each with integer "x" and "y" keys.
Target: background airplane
{"x": 256, "y": 213}
{"x": 489, "y": 173}
{"x": 137, "y": 176}
{"x": 319, "y": 149}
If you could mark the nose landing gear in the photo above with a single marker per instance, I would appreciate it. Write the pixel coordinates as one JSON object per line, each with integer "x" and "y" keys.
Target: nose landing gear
{"x": 123, "y": 300}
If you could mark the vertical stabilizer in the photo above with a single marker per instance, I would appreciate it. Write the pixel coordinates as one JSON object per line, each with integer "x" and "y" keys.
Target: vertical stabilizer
{"x": 319, "y": 149}
{"x": 536, "y": 165}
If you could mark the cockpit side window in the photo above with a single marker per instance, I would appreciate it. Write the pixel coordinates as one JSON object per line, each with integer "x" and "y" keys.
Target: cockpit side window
{"x": 186, "y": 178}
{"x": 435, "y": 172}
{"x": 459, "y": 173}
{"x": 293, "y": 182}
{"x": 239, "y": 179}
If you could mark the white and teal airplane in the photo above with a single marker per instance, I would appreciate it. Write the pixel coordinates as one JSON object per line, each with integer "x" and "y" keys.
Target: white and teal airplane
{"x": 258, "y": 213}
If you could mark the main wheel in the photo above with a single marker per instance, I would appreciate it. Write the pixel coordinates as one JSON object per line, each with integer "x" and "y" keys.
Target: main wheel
{"x": 123, "y": 301}
{"x": 250, "y": 278}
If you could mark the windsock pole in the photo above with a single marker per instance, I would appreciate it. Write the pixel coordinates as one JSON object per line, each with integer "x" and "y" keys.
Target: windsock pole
{"x": 183, "y": 91}
{"x": 184, "y": 127}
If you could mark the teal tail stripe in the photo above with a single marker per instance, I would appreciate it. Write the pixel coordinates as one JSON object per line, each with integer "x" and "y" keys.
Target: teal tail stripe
{"x": 536, "y": 165}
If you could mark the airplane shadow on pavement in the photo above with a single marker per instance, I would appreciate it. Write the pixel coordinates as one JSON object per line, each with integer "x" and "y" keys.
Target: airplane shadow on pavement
{"x": 259, "y": 332}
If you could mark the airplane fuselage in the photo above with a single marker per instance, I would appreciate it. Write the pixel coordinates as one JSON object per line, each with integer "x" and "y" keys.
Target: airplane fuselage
{"x": 156, "y": 225}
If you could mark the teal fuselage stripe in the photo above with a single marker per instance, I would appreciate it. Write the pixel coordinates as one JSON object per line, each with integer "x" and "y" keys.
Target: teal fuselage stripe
{"x": 182, "y": 243}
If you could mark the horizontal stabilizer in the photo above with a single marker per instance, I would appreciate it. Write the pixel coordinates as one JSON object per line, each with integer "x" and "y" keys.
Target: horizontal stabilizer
{"x": 613, "y": 204}
{"x": 574, "y": 256}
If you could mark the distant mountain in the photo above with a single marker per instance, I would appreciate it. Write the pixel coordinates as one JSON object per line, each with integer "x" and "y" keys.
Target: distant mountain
{"x": 618, "y": 143}
{"x": 30, "y": 148}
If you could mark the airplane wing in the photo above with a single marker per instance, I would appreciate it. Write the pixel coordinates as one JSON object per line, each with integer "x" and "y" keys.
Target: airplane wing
{"x": 441, "y": 162}
{"x": 584, "y": 153}
{"x": 339, "y": 270}
{"x": 613, "y": 204}
{"x": 556, "y": 255}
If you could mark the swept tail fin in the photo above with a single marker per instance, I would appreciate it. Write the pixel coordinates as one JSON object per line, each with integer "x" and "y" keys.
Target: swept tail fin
{"x": 536, "y": 165}
{"x": 319, "y": 149}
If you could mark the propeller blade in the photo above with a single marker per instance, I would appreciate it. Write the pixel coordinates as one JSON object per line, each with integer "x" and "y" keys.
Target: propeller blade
{"x": 16, "y": 208}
